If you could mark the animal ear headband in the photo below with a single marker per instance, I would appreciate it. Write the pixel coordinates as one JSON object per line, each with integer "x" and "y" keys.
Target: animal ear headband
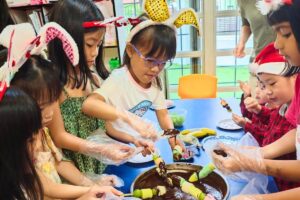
{"x": 22, "y": 42}
{"x": 266, "y": 6}
{"x": 159, "y": 14}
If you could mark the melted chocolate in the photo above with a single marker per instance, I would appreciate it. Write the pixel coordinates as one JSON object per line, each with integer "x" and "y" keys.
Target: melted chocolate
{"x": 220, "y": 152}
{"x": 171, "y": 132}
{"x": 213, "y": 184}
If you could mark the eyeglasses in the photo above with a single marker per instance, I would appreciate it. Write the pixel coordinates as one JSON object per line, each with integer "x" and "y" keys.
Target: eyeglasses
{"x": 152, "y": 62}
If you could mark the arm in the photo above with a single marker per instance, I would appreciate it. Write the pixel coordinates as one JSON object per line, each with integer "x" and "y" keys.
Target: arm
{"x": 282, "y": 146}
{"x": 69, "y": 172}
{"x": 61, "y": 191}
{"x": 95, "y": 106}
{"x": 244, "y": 36}
{"x": 165, "y": 122}
{"x": 164, "y": 119}
{"x": 60, "y": 136}
{"x": 292, "y": 194}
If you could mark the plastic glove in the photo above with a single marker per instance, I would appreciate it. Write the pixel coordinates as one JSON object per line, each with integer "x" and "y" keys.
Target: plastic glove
{"x": 238, "y": 159}
{"x": 173, "y": 141}
{"x": 112, "y": 154}
{"x": 252, "y": 105}
{"x": 146, "y": 144}
{"x": 245, "y": 88}
{"x": 133, "y": 124}
{"x": 241, "y": 121}
{"x": 106, "y": 180}
{"x": 101, "y": 193}
{"x": 247, "y": 197}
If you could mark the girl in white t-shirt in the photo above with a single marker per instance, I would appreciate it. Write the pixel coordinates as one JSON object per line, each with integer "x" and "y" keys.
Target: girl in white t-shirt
{"x": 151, "y": 45}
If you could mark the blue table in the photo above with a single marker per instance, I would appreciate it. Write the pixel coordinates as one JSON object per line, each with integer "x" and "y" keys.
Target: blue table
{"x": 200, "y": 113}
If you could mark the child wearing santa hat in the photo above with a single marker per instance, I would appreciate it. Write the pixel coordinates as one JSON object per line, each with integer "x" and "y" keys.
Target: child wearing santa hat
{"x": 277, "y": 82}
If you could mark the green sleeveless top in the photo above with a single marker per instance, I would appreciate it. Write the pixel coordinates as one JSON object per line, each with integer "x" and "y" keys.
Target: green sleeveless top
{"x": 80, "y": 125}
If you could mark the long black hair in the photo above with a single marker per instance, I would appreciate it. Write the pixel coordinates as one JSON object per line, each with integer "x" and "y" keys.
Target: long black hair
{"x": 288, "y": 13}
{"x": 39, "y": 78}
{"x": 161, "y": 39}
{"x": 5, "y": 18}
{"x": 71, "y": 14}
{"x": 20, "y": 118}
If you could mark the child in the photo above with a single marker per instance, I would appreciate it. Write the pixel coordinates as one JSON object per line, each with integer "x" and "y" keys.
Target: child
{"x": 250, "y": 121}
{"x": 151, "y": 45}
{"x": 20, "y": 122}
{"x": 37, "y": 77}
{"x": 284, "y": 17}
{"x": 269, "y": 67}
{"x": 20, "y": 119}
{"x": 70, "y": 126}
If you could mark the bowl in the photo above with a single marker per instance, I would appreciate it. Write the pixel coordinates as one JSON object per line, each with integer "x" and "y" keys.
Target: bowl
{"x": 214, "y": 184}
{"x": 178, "y": 116}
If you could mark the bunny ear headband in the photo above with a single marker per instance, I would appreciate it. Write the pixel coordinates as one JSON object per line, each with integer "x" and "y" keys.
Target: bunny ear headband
{"x": 158, "y": 13}
{"x": 22, "y": 42}
{"x": 266, "y": 6}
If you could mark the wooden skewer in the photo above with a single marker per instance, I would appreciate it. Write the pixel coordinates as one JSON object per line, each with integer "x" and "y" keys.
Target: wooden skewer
{"x": 127, "y": 195}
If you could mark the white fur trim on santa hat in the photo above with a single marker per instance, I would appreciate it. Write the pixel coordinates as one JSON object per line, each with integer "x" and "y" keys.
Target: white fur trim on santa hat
{"x": 271, "y": 68}
{"x": 252, "y": 67}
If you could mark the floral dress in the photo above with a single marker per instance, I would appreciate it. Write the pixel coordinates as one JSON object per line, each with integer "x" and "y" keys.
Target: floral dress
{"x": 46, "y": 158}
{"x": 80, "y": 125}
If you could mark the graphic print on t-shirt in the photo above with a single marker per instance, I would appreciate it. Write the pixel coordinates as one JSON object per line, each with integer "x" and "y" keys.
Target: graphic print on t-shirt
{"x": 141, "y": 108}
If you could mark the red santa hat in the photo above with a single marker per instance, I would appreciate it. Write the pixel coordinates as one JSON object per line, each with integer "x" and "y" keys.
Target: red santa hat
{"x": 270, "y": 61}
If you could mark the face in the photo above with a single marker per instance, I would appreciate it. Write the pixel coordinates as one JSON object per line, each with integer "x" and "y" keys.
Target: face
{"x": 47, "y": 113}
{"x": 92, "y": 42}
{"x": 260, "y": 95}
{"x": 144, "y": 69}
{"x": 279, "y": 89}
{"x": 286, "y": 43}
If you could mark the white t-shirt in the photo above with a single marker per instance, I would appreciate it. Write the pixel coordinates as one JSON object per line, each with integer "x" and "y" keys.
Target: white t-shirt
{"x": 122, "y": 91}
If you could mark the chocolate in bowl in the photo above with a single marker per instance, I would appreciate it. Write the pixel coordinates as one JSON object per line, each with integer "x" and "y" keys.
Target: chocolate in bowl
{"x": 214, "y": 184}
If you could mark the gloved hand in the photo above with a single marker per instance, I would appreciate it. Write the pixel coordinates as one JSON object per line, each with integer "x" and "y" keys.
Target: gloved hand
{"x": 252, "y": 105}
{"x": 247, "y": 197}
{"x": 238, "y": 159}
{"x": 241, "y": 121}
{"x": 146, "y": 144}
{"x": 101, "y": 193}
{"x": 173, "y": 141}
{"x": 129, "y": 122}
{"x": 113, "y": 153}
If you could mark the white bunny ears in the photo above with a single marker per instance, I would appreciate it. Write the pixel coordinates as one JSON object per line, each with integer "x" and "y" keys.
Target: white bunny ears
{"x": 22, "y": 42}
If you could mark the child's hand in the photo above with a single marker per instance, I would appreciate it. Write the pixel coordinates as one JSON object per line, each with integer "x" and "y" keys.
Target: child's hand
{"x": 108, "y": 153}
{"x": 252, "y": 105}
{"x": 99, "y": 193}
{"x": 109, "y": 180}
{"x": 245, "y": 88}
{"x": 241, "y": 121}
{"x": 148, "y": 146}
{"x": 173, "y": 141}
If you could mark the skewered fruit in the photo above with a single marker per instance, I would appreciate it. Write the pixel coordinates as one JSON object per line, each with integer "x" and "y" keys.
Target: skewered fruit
{"x": 206, "y": 170}
{"x": 191, "y": 189}
{"x": 193, "y": 177}
{"x": 147, "y": 193}
{"x": 177, "y": 152}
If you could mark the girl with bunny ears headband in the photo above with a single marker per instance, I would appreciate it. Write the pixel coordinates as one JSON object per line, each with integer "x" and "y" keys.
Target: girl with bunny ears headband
{"x": 151, "y": 43}
{"x": 19, "y": 50}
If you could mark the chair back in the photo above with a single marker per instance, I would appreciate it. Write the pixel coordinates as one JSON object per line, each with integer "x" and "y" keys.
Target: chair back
{"x": 197, "y": 86}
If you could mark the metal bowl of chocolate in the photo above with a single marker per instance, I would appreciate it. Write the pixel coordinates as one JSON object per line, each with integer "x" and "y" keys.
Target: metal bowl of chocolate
{"x": 214, "y": 184}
